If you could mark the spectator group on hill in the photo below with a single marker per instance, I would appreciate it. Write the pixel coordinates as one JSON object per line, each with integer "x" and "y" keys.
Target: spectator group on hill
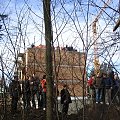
{"x": 104, "y": 88}
{"x": 32, "y": 91}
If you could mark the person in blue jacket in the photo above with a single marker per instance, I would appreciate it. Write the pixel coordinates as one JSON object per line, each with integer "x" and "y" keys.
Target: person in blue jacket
{"x": 107, "y": 82}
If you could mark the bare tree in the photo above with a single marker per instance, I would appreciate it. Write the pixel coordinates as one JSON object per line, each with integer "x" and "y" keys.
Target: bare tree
{"x": 49, "y": 63}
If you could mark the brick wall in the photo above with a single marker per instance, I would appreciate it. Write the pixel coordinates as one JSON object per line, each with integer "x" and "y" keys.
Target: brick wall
{"x": 67, "y": 65}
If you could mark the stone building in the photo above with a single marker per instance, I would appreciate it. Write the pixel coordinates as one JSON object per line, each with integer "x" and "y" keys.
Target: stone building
{"x": 68, "y": 66}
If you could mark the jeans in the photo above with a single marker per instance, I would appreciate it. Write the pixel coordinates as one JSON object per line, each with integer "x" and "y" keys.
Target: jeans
{"x": 33, "y": 99}
{"x": 43, "y": 99}
{"x": 98, "y": 94}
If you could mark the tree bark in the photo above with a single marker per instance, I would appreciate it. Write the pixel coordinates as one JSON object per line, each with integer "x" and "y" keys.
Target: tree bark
{"x": 49, "y": 64}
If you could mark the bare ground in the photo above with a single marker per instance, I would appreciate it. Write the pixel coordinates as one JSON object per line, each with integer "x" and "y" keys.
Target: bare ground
{"x": 91, "y": 112}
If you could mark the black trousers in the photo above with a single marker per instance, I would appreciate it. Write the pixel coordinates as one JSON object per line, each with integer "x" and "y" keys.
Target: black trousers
{"x": 65, "y": 108}
{"x": 14, "y": 104}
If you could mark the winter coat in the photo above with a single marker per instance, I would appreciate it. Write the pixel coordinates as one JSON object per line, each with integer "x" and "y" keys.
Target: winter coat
{"x": 91, "y": 83}
{"x": 26, "y": 87}
{"x": 118, "y": 86}
{"x": 98, "y": 82}
{"x": 15, "y": 89}
{"x": 35, "y": 86}
{"x": 43, "y": 84}
{"x": 115, "y": 84}
{"x": 65, "y": 97}
{"x": 107, "y": 82}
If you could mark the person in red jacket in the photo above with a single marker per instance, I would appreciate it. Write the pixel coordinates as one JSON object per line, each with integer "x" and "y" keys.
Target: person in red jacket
{"x": 91, "y": 88}
{"x": 43, "y": 95}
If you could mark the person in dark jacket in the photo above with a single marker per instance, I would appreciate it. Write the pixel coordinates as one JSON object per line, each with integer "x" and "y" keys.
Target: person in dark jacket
{"x": 118, "y": 93}
{"x": 115, "y": 89}
{"x": 99, "y": 87}
{"x": 15, "y": 93}
{"x": 107, "y": 86}
{"x": 35, "y": 91}
{"x": 26, "y": 92}
{"x": 65, "y": 99}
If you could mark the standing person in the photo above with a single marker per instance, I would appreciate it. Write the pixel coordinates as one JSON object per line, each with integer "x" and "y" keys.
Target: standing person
{"x": 91, "y": 88}
{"x": 115, "y": 89}
{"x": 107, "y": 86}
{"x": 26, "y": 93}
{"x": 65, "y": 99}
{"x": 15, "y": 93}
{"x": 35, "y": 91}
{"x": 43, "y": 94}
{"x": 99, "y": 87}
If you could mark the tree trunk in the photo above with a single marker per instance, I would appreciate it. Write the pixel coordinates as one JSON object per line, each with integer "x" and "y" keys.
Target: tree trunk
{"x": 49, "y": 65}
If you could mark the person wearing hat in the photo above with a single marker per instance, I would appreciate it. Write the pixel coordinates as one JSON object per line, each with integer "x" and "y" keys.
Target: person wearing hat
{"x": 15, "y": 93}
